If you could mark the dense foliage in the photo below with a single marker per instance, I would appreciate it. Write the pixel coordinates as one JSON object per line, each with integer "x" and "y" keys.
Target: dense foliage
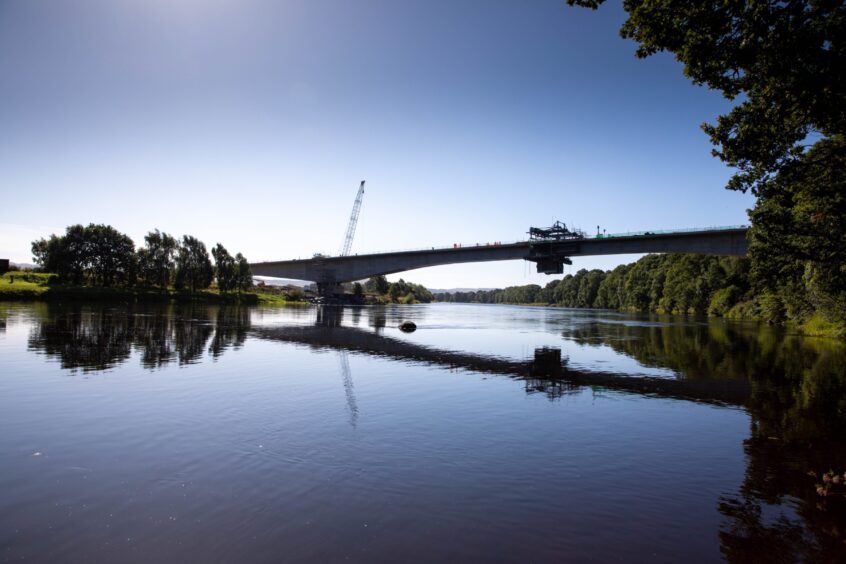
{"x": 100, "y": 255}
{"x": 672, "y": 283}
{"x": 156, "y": 259}
{"x": 798, "y": 245}
{"x": 194, "y": 269}
{"x": 783, "y": 64}
{"x": 399, "y": 291}
{"x": 97, "y": 253}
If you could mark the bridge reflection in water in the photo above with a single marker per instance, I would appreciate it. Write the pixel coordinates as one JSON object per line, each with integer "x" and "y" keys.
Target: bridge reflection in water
{"x": 547, "y": 371}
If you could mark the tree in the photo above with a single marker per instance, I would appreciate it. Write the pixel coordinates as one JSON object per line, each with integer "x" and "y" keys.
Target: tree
{"x": 611, "y": 292}
{"x": 377, "y": 284}
{"x": 225, "y": 269}
{"x": 156, "y": 259}
{"x": 357, "y": 290}
{"x": 73, "y": 255}
{"x": 243, "y": 274}
{"x": 798, "y": 246}
{"x": 49, "y": 254}
{"x": 397, "y": 289}
{"x": 588, "y": 288}
{"x": 99, "y": 253}
{"x": 110, "y": 255}
{"x": 193, "y": 266}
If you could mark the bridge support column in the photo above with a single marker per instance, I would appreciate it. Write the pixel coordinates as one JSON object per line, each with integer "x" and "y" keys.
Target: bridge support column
{"x": 329, "y": 289}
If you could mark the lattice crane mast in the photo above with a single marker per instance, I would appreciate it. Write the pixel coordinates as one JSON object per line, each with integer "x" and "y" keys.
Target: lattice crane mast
{"x": 345, "y": 249}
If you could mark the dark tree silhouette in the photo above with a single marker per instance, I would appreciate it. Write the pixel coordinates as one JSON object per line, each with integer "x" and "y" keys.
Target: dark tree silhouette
{"x": 225, "y": 269}
{"x": 193, "y": 267}
{"x": 156, "y": 259}
{"x": 243, "y": 274}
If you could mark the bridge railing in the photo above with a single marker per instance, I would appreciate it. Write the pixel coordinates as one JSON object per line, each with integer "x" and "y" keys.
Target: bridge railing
{"x": 670, "y": 231}
{"x": 457, "y": 246}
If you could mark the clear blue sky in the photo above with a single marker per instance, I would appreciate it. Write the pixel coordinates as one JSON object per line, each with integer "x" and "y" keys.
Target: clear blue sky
{"x": 251, "y": 123}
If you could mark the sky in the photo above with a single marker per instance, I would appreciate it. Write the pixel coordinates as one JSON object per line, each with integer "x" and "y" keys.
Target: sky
{"x": 252, "y": 122}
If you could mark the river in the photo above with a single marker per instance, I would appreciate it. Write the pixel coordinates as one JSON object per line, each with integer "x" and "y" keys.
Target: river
{"x": 492, "y": 433}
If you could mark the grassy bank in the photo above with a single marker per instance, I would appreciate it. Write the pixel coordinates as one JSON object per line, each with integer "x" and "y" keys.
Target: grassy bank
{"x": 27, "y": 286}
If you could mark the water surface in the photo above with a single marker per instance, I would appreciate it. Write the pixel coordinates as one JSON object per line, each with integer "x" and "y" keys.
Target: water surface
{"x": 492, "y": 433}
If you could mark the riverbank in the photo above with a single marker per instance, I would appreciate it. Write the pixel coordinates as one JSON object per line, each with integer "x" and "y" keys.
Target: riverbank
{"x": 815, "y": 326}
{"x": 33, "y": 286}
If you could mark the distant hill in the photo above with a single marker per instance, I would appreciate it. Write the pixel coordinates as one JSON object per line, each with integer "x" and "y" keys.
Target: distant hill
{"x": 23, "y": 265}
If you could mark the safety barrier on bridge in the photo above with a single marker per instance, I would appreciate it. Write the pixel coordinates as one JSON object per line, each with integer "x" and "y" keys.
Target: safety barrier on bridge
{"x": 523, "y": 241}
{"x": 670, "y": 231}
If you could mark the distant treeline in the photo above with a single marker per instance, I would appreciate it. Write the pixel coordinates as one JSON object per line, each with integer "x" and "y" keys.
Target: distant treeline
{"x": 100, "y": 255}
{"x": 671, "y": 283}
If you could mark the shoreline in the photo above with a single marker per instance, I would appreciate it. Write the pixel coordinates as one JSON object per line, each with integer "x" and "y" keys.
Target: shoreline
{"x": 32, "y": 287}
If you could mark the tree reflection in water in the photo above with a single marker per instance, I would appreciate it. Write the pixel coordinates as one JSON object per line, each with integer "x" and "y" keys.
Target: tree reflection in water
{"x": 92, "y": 337}
{"x": 797, "y": 406}
{"x": 798, "y": 418}
{"x": 86, "y": 338}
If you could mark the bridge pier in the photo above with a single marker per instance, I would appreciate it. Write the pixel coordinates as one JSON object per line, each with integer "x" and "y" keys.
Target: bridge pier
{"x": 329, "y": 289}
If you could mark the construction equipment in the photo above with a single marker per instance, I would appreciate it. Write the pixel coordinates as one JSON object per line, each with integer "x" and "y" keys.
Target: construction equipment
{"x": 557, "y": 232}
{"x": 345, "y": 249}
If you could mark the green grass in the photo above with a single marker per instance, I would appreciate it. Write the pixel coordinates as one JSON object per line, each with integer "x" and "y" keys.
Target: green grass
{"x": 818, "y": 326}
{"x": 20, "y": 289}
{"x": 28, "y": 286}
{"x": 277, "y": 299}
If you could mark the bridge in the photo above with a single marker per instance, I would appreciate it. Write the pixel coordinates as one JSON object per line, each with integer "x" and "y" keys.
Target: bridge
{"x": 550, "y": 255}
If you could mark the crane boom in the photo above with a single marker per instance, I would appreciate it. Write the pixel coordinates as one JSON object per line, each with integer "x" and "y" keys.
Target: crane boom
{"x": 345, "y": 249}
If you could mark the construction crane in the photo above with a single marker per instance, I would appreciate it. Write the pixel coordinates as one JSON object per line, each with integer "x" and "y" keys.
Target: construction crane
{"x": 345, "y": 249}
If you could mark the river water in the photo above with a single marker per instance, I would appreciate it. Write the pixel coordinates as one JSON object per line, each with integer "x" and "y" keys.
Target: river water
{"x": 492, "y": 433}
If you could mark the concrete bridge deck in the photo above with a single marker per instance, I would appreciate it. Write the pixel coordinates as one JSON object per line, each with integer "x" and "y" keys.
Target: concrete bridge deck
{"x": 549, "y": 255}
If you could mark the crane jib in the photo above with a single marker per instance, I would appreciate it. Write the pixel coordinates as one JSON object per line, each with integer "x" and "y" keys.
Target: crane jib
{"x": 345, "y": 249}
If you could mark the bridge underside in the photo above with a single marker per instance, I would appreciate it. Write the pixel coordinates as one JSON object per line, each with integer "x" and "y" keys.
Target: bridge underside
{"x": 549, "y": 256}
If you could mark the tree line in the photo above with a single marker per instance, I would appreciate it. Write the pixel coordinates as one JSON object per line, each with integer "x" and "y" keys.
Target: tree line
{"x": 100, "y": 255}
{"x": 667, "y": 283}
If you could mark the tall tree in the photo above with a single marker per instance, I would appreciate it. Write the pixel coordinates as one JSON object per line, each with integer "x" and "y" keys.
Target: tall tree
{"x": 798, "y": 249}
{"x": 98, "y": 253}
{"x": 243, "y": 274}
{"x": 110, "y": 254}
{"x": 193, "y": 266}
{"x": 157, "y": 258}
{"x": 377, "y": 284}
{"x": 49, "y": 254}
{"x": 225, "y": 269}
